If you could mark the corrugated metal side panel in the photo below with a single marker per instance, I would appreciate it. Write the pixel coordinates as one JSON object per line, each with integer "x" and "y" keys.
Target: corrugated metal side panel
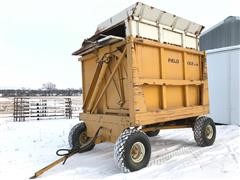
{"x": 223, "y": 35}
{"x": 224, "y": 84}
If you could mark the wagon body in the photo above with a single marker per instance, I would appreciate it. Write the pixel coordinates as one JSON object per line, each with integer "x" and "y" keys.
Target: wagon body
{"x": 142, "y": 68}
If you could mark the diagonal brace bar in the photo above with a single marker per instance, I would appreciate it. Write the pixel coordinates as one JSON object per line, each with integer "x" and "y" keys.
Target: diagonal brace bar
{"x": 109, "y": 80}
{"x": 97, "y": 86}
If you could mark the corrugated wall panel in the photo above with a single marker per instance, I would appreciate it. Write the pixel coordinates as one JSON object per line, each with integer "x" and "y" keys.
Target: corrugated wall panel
{"x": 225, "y": 34}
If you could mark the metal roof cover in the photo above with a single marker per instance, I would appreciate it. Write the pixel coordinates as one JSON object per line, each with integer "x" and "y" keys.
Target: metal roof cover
{"x": 142, "y": 11}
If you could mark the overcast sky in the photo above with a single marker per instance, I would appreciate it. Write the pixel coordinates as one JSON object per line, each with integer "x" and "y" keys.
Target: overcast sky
{"x": 37, "y": 37}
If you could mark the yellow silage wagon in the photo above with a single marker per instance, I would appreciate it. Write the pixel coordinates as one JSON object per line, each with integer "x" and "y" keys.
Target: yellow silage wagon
{"x": 142, "y": 71}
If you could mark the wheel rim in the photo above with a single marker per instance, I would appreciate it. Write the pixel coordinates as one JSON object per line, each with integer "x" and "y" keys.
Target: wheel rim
{"x": 83, "y": 138}
{"x": 137, "y": 152}
{"x": 209, "y": 131}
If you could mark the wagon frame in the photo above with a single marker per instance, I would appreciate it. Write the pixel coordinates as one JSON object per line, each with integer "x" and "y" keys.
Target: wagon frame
{"x": 115, "y": 121}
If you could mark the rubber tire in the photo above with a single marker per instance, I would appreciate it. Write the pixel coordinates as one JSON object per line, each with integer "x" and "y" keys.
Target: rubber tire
{"x": 199, "y": 127}
{"x": 73, "y": 137}
{"x": 152, "y": 133}
{"x": 123, "y": 146}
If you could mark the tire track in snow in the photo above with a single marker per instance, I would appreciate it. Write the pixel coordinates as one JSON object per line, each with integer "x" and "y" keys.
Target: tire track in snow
{"x": 185, "y": 151}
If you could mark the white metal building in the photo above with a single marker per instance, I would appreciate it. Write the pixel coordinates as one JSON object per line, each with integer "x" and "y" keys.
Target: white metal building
{"x": 222, "y": 43}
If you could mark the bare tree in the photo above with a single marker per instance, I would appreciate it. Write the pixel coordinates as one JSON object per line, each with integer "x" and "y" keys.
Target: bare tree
{"x": 49, "y": 86}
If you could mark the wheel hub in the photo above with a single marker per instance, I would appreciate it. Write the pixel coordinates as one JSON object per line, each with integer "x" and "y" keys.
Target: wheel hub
{"x": 83, "y": 138}
{"x": 209, "y": 131}
{"x": 137, "y": 152}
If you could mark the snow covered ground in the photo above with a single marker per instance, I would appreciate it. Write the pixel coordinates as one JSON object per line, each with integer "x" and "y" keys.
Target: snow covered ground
{"x": 28, "y": 146}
